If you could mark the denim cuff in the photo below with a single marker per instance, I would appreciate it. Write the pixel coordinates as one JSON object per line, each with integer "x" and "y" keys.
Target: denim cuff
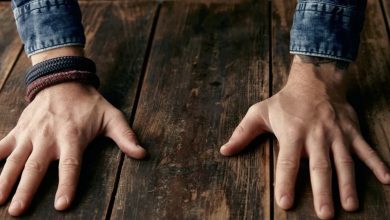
{"x": 328, "y": 28}
{"x": 48, "y": 24}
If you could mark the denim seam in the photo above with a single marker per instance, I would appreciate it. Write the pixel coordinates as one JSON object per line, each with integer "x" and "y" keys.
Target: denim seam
{"x": 325, "y": 12}
{"x": 320, "y": 55}
{"x": 19, "y": 12}
{"x": 326, "y": 3}
{"x": 53, "y": 47}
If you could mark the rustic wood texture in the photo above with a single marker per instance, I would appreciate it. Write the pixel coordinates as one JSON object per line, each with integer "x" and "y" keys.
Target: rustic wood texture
{"x": 208, "y": 64}
{"x": 369, "y": 93}
{"x": 117, "y": 36}
{"x": 209, "y": 61}
{"x": 182, "y": 1}
{"x": 10, "y": 45}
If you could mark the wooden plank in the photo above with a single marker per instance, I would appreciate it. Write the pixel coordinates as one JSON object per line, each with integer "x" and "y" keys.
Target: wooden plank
{"x": 208, "y": 64}
{"x": 186, "y": 1}
{"x": 10, "y": 45}
{"x": 117, "y": 36}
{"x": 369, "y": 94}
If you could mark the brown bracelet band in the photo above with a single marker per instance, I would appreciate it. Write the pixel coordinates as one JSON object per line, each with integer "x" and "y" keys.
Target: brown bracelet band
{"x": 53, "y": 79}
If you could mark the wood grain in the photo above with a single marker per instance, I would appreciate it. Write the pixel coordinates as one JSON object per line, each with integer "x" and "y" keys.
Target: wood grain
{"x": 10, "y": 45}
{"x": 208, "y": 64}
{"x": 369, "y": 93}
{"x": 117, "y": 36}
{"x": 182, "y": 1}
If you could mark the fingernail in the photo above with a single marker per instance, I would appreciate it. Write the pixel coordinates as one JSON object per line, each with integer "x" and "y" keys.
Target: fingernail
{"x": 222, "y": 149}
{"x": 284, "y": 202}
{"x": 325, "y": 210}
{"x": 61, "y": 203}
{"x": 387, "y": 177}
{"x": 15, "y": 207}
{"x": 350, "y": 202}
{"x": 1, "y": 197}
{"x": 139, "y": 146}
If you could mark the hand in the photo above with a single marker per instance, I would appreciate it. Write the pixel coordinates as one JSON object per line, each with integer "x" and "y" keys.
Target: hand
{"x": 311, "y": 117}
{"x": 58, "y": 125}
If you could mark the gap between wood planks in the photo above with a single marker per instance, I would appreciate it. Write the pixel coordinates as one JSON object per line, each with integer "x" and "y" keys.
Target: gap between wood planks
{"x": 135, "y": 104}
{"x": 270, "y": 93}
{"x": 9, "y": 71}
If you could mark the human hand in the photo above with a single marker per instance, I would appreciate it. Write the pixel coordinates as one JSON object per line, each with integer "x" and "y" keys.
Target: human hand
{"x": 311, "y": 117}
{"x": 58, "y": 125}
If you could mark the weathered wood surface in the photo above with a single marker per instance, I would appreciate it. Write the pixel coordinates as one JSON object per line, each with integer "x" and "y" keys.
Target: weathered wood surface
{"x": 117, "y": 36}
{"x": 186, "y": 1}
{"x": 10, "y": 45}
{"x": 208, "y": 64}
{"x": 369, "y": 94}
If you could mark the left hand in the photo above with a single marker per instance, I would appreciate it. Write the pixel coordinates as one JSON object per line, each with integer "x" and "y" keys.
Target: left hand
{"x": 310, "y": 116}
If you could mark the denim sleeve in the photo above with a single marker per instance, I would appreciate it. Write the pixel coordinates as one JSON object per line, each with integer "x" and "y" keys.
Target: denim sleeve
{"x": 328, "y": 28}
{"x": 48, "y": 24}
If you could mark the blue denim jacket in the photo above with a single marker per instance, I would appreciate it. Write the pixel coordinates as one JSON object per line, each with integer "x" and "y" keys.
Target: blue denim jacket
{"x": 48, "y": 24}
{"x": 325, "y": 28}
{"x": 328, "y": 28}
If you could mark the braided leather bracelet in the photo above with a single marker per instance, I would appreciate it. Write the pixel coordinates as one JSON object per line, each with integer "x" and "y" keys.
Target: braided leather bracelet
{"x": 70, "y": 76}
{"x": 59, "y": 64}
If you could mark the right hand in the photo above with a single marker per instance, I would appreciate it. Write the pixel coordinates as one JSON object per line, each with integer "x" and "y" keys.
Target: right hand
{"x": 58, "y": 125}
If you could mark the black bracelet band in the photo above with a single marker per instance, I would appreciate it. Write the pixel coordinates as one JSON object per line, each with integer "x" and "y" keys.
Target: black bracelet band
{"x": 59, "y": 64}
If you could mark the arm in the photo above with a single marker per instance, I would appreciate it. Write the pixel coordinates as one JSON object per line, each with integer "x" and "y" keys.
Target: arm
{"x": 310, "y": 116}
{"x": 62, "y": 119}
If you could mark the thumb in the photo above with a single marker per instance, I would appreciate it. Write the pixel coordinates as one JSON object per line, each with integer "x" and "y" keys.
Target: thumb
{"x": 251, "y": 126}
{"x": 120, "y": 132}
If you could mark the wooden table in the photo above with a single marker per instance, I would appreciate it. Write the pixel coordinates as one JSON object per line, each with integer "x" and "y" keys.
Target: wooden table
{"x": 185, "y": 73}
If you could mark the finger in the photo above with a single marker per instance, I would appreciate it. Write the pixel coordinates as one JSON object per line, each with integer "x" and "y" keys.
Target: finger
{"x": 33, "y": 173}
{"x": 321, "y": 178}
{"x": 287, "y": 167}
{"x": 119, "y": 130}
{"x": 12, "y": 169}
{"x": 251, "y": 126}
{"x": 345, "y": 169}
{"x": 371, "y": 159}
{"x": 69, "y": 171}
{"x": 7, "y": 144}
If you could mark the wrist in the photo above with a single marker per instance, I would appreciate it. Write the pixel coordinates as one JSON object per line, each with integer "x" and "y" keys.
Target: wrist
{"x": 57, "y": 52}
{"x": 318, "y": 77}
{"x": 69, "y": 90}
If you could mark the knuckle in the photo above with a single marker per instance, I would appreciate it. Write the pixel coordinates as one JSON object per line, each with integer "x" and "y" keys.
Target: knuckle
{"x": 324, "y": 193}
{"x": 293, "y": 134}
{"x": 327, "y": 111}
{"x": 288, "y": 164}
{"x": 23, "y": 192}
{"x": 129, "y": 133}
{"x": 322, "y": 166}
{"x": 67, "y": 186}
{"x": 116, "y": 113}
{"x": 346, "y": 161}
{"x": 239, "y": 129}
{"x": 70, "y": 163}
{"x": 371, "y": 154}
{"x": 72, "y": 132}
{"x": 253, "y": 109}
{"x": 45, "y": 130}
{"x": 348, "y": 187}
{"x": 33, "y": 166}
{"x": 14, "y": 159}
